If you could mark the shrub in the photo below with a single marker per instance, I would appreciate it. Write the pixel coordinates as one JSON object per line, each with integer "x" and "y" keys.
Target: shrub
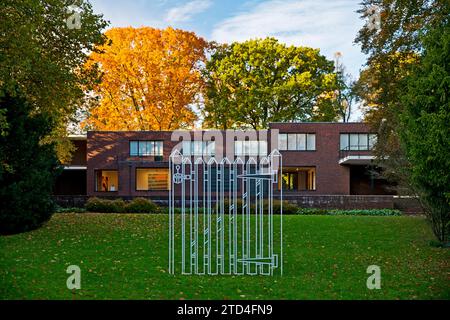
{"x": 424, "y": 128}
{"x": 370, "y": 212}
{"x": 288, "y": 208}
{"x": 105, "y": 206}
{"x": 311, "y": 211}
{"x": 137, "y": 205}
{"x": 28, "y": 167}
{"x": 226, "y": 204}
{"x": 141, "y": 205}
{"x": 335, "y": 212}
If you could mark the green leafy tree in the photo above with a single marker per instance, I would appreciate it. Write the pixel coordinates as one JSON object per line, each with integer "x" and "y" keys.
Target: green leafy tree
{"x": 410, "y": 126}
{"x": 425, "y": 128}
{"x": 393, "y": 47}
{"x": 255, "y": 82}
{"x": 44, "y": 45}
{"x": 28, "y": 168}
{"x": 380, "y": 89}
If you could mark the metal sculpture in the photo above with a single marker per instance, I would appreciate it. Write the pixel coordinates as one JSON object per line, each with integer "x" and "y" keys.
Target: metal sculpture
{"x": 225, "y": 223}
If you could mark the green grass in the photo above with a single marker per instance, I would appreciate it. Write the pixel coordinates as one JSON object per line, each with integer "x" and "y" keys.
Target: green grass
{"x": 125, "y": 257}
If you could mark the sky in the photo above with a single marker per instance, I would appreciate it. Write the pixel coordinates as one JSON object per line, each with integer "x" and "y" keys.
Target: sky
{"x": 329, "y": 25}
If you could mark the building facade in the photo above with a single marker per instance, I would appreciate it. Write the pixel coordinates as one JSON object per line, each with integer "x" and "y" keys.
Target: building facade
{"x": 318, "y": 159}
{"x": 329, "y": 159}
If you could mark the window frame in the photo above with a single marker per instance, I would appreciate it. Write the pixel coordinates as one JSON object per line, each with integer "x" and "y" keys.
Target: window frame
{"x": 292, "y": 142}
{"x": 285, "y": 142}
{"x": 297, "y": 145}
{"x": 305, "y": 169}
{"x": 193, "y": 146}
{"x": 307, "y": 142}
{"x": 250, "y": 148}
{"x": 368, "y": 145}
{"x": 347, "y": 146}
{"x": 353, "y": 147}
{"x": 156, "y": 145}
{"x": 147, "y": 190}
{"x": 96, "y": 174}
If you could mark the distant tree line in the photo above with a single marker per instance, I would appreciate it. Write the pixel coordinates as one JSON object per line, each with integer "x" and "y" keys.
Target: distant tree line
{"x": 157, "y": 79}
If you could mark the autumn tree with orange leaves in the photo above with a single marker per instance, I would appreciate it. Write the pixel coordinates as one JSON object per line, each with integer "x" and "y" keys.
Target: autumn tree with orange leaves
{"x": 151, "y": 78}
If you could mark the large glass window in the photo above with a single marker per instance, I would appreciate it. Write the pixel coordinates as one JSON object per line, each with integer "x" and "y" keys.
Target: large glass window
{"x": 146, "y": 148}
{"x": 282, "y": 141}
{"x": 106, "y": 180}
{"x": 152, "y": 179}
{"x": 357, "y": 141}
{"x": 199, "y": 148}
{"x": 210, "y": 148}
{"x": 354, "y": 138}
{"x": 298, "y": 179}
{"x": 134, "y": 148}
{"x": 297, "y": 141}
{"x": 363, "y": 141}
{"x": 246, "y": 150}
{"x": 310, "y": 141}
{"x": 263, "y": 148}
{"x": 344, "y": 142}
{"x": 158, "y": 148}
{"x": 253, "y": 148}
{"x": 292, "y": 141}
{"x": 239, "y": 148}
{"x": 250, "y": 148}
{"x": 301, "y": 142}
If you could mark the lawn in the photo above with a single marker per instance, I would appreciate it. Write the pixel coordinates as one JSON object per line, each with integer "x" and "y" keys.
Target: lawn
{"x": 125, "y": 257}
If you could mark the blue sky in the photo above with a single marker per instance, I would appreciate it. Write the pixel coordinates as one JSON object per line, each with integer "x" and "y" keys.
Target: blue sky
{"x": 330, "y": 25}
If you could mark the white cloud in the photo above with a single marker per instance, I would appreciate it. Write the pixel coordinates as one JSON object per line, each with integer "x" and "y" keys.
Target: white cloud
{"x": 187, "y": 11}
{"x": 122, "y": 13}
{"x": 328, "y": 25}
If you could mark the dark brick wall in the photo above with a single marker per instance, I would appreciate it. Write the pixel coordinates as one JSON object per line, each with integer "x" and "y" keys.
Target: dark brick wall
{"x": 70, "y": 201}
{"x": 409, "y": 205}
{"x": 331, "y": 177}
{"x": 341, "y": 201}
{"x": 110, "y": 150}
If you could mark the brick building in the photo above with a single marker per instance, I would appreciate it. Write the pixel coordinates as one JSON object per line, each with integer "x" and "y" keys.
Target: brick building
{"x": 318, "y": 159}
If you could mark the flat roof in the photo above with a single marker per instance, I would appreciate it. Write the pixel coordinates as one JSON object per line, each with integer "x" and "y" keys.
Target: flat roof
{"x": 77, "y": 137}
{"x": 247, "y": 129}
{"x": 357, "y": 159}
{"x": 75, "y": 167}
